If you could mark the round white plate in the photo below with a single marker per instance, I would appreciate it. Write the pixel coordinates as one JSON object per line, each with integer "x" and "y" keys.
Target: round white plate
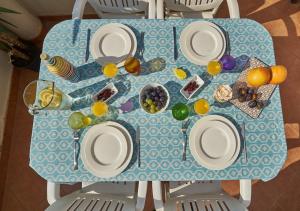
{"x": 201, "y": 42}
{"x": 106, "y": 173}
{"x": 113, "y": 43}
{"x": 104, "y": 147}
{"x": 214, "y": 142}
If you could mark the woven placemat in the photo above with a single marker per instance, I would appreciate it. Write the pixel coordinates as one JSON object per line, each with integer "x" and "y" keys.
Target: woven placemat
{"x": 266, "y": 90}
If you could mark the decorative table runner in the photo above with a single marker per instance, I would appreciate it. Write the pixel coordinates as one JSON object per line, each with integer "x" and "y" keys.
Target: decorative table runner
{"x": 51, "y": 152}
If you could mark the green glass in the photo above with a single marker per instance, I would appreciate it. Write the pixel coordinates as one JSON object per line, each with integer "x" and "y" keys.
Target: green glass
{"x": 180, "y": 111}
{"x": 76, "y": 120}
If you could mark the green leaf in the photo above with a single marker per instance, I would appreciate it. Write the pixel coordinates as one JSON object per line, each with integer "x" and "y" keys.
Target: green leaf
{"x": 5, "y": 21}
{"x": 5, "y": 10}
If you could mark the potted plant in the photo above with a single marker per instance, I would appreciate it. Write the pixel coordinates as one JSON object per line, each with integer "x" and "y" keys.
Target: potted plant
{"x": 21, "y": 53}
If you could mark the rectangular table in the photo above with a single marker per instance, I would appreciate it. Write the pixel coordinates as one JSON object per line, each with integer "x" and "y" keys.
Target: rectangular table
{"x": 51, "y": 151}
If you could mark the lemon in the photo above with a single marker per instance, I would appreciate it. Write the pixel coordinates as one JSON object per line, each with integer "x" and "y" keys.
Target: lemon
{"x": 179, "y": 73}
{"x": 46, "y": 96}
{"x": 99, "y": 108}
{"x": 87, "y": 121}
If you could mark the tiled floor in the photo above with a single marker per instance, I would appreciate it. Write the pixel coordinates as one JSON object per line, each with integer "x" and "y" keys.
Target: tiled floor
{"x": 22, "y": 189}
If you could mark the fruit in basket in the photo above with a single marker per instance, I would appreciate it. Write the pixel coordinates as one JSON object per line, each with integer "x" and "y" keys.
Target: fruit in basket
{"x": 154, "y": 99}
{"x": 179, "y": 73}
{"x": 279, "y": 74}
{"x": 258, "y": 76}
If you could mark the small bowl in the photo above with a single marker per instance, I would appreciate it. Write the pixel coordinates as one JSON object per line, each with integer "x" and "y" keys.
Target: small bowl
{"x": 198, "y": 80}
{"x": 110, "y": 86}
{"x": 153, "y": 85}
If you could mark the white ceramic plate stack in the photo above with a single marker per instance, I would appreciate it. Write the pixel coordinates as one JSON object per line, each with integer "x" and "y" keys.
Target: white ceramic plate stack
{"x": 202, "y": 41}
{"x": 214, "y": 142}
{"x": 106, "y": 149}
{"x": 113, "y": 43}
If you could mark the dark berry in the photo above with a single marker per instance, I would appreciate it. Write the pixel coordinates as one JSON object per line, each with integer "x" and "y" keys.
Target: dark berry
{"x": 242, "y": 99}
{"x": 260, "y": 105}
{"x": 248, "y": 97}
{"x": 252, "y": 104}
{"x": 251, "y": 91}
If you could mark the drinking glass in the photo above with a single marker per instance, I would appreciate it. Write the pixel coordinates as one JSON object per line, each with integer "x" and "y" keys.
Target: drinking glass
{"x": 132, "y": 65}
{"x": 99, "y": 108}
{"x": 180, "y": 111}
{"x": 214, "y": 68}
{"x": 110, "y": 70}
{"x": 201, "y": 106}
{"x": 44, "y": 95}
{"x": 78, "y": 120}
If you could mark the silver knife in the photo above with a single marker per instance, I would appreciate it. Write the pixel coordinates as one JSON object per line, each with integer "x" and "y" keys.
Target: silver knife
{"x": 87, "y": 50}
{"x": 137, "y": 137}
{"x": 76, "y": 149}
{"x": 175, "y": 44}
{"x": 245, "y": 144}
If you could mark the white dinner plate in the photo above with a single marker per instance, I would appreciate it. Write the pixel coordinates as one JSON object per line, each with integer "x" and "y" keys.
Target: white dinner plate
{"x": 214, "y": 142}
{"x": 113, "y": 43}
{"x": 201, "y": 42}
{"x": 91, "y": 162}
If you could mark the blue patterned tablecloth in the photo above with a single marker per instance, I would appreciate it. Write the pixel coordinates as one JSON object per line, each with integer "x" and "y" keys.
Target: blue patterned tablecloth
{"x": 51, "y": 151}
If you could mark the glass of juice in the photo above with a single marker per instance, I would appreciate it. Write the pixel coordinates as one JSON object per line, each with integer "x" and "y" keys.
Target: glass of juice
{"x": 214, "y": 68}
{"x": 99, "y": 108}
{"x": 180, "y": 111}
{"x": 132, "y": 65}
{"x": 201, "y": 106}
{"x": 110, "y": 70}
{"x": 44, "y": 95}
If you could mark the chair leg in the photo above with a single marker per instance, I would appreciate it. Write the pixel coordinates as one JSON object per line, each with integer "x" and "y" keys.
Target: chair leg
{"x": 245, "y": 191}
{"x": 141, "y": 195}
{"x": 157, "y": 195}
{"x": 53, "y": 192}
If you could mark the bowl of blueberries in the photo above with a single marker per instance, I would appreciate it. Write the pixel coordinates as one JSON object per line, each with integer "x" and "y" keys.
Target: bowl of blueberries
{"x": 154, "y": 98}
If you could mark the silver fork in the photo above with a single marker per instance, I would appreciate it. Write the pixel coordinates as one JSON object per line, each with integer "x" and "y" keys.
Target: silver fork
{"x": 75, "y": 149}
{"x": 184, "y": 127}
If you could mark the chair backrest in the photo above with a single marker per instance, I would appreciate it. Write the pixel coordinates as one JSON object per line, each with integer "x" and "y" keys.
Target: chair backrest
{"x": 92, "y": 202}
{"x": 192, "y": 5}
{"x": 216, "y": 202}
{"x": 119, "y": 6}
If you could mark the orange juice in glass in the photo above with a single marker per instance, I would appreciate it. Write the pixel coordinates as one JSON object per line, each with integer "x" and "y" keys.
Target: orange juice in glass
{"x": 201, "y": 107}
{"x": 133, "y": 66}
{"x": 99, "y": 108}
{"x": 110, "y": 70}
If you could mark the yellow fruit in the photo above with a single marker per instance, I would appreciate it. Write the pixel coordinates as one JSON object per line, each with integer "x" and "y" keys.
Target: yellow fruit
{"x": 179, "y": 73}
{"x": 279, "y": 74}
{"x": 87, "y": 121}
{"x": 258, "y": 76}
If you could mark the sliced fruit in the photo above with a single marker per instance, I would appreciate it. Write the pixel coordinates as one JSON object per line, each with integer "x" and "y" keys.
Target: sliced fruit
{"x": 179, "y": 73}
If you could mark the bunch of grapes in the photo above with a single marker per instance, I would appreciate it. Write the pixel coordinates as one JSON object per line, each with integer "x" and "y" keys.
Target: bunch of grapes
{"x": 154, "y": 99}
{"x": 251, "y": 96}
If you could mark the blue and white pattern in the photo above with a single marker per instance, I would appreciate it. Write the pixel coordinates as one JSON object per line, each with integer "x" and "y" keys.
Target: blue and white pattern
{"x": 51, "y": 145}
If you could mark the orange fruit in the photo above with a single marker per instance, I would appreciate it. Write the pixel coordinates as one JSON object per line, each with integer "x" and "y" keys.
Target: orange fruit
{"x": 279, "y": 74}
{"x": 258, "y": 76}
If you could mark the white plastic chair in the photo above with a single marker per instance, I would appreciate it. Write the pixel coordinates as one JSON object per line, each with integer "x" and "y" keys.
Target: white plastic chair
{"x": 120, "y": 196}
{"x": 117, "y": 8}
{"x": 194, "y": 8}
{"x": 200, "y": 195}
